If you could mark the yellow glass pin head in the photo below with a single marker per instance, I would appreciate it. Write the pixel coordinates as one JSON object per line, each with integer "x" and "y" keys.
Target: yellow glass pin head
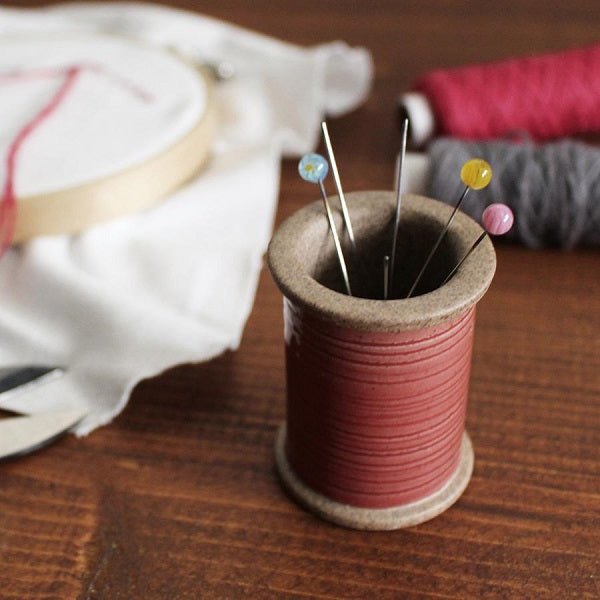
{"x": 476, "y": 173}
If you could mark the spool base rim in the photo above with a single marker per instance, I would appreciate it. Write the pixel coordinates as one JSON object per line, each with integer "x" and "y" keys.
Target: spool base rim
{"x": 376, "y": 519}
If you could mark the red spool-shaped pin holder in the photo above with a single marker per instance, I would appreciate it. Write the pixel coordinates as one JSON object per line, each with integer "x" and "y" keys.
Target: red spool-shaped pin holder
{"x": 377, "y": 389}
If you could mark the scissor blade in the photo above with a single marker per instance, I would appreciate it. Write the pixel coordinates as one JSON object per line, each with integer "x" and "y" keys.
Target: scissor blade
{"x": 16, "y": 377}
{"x": 21, "y": 435}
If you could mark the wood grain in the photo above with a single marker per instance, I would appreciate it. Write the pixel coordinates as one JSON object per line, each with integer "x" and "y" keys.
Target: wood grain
{"x": 178, "y": 497}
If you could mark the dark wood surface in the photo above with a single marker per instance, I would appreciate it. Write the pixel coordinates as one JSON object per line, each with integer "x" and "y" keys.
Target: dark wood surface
{"x": 178, "y": 497}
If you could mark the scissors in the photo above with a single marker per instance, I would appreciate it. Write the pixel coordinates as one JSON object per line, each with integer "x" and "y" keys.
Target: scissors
{"x": 26, "y": 432}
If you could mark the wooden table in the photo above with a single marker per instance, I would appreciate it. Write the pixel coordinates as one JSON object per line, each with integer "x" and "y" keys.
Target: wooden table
{"x": 178, "y": 497}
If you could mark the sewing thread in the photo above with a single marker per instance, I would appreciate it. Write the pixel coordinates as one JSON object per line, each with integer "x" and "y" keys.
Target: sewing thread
{"x": 8, "y": 200}
{"x": 549, "y": 96}
{"x": 8, "y": 207}
{"x": 553, "y": 189}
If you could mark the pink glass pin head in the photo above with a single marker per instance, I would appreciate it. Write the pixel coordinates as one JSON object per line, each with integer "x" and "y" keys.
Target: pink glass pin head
{"x": 497, "y": 219}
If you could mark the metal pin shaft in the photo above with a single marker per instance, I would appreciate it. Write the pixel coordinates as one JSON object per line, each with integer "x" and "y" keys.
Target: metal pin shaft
{"x": 399, "y": 164}
{"x": 438, "y": 241}
{"x": 386, "y": 276}
{"x": 462, "y": 260}
{"x": 336, "y": 239}
{"x": 338, "y": 185}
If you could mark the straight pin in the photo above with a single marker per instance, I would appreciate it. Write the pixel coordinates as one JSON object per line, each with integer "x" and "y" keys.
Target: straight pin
{"x": 386, "y": 276}
{"x": 497, "y": 219}
{"x": 475, "y": 174}
{"x": 398, "y": 181}
{"x": 314, "y": 168}
{"x": 336, "y": 239}
{"x": 338, "y": 186}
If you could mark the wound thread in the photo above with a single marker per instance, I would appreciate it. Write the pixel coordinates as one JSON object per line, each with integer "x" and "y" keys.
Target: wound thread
{"x": 375, "y": 419}
{"x": 548, "y": 96}
{"x": 553, "y": 189}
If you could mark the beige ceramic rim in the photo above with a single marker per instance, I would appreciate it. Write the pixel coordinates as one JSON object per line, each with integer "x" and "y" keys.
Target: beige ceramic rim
{"x": 297, "y": 237}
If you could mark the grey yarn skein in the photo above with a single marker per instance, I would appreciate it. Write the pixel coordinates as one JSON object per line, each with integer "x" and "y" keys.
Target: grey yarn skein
{"x": 552, "y": 189}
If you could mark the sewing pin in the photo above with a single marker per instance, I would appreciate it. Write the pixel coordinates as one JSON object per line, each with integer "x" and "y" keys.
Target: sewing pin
{"x": 497, "y": 219}
{"x": 314, "y": 168}
{"x": 399, "y": 164}
{"x": 386, "y": 276}
{"x": 338, "y": 186}
{"x": 475, "y": 174}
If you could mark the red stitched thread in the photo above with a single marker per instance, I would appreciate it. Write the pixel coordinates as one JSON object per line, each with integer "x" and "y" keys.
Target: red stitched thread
{"x": 548, "y": 96}
{"x": 8, "y": 203}
{"x": 8, "y": 211}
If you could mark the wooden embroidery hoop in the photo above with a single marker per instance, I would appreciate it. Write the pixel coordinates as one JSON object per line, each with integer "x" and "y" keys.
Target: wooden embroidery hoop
{"x": 132, "y": 189}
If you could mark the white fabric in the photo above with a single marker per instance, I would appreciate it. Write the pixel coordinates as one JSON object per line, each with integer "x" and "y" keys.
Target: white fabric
{"x": 420, "y": 115}
{"x": 127, "y": 299}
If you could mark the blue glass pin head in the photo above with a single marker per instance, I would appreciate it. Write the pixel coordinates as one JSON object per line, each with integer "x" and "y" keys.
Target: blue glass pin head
{"x": 313, "y": 168}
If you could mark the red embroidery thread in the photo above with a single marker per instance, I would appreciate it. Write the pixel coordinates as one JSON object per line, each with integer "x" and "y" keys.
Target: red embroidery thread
{"x": 8, "y": 201}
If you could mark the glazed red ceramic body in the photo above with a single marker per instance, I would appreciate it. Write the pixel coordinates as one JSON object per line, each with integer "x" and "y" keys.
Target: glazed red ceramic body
{"x": 377, "y": 389}
{"x": 375, "y": 419}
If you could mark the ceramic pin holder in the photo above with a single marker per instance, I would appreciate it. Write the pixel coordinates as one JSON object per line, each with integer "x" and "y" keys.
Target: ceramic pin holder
{"x": 377, "y": 389}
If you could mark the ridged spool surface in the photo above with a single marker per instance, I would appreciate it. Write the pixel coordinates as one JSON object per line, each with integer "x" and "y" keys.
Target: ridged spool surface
{"x": 375, "y": 419}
